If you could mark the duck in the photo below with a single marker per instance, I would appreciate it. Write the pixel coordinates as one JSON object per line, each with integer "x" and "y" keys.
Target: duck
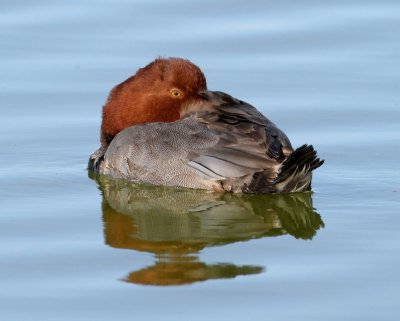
{"x": 162, "y": 126}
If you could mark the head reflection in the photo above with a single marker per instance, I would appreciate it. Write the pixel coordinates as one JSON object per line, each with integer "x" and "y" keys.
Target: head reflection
{"x": 177, "y": 224}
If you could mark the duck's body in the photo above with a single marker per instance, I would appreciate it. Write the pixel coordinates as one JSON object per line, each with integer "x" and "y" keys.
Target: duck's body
{"x": 214, "y": 142}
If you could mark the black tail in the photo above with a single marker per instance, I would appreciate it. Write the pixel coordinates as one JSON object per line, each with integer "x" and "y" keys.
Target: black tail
{"x": 295, "y": 172}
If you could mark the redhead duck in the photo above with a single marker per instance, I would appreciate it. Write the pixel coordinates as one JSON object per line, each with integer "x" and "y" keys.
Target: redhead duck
{"x": 162, "y": 126}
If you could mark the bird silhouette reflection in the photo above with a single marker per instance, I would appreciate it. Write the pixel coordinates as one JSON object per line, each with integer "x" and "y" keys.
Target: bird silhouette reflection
{"x": 176, "y": 224}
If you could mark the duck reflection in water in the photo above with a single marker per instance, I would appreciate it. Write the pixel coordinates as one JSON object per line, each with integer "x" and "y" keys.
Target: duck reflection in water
{"x": 176, "y": 224}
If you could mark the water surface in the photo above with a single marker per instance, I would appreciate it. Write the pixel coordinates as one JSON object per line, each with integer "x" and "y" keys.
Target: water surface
{"x": 78, "y": 248}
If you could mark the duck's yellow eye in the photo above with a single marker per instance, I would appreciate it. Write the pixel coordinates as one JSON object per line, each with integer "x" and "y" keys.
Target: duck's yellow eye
{"x": 176, "y": 93}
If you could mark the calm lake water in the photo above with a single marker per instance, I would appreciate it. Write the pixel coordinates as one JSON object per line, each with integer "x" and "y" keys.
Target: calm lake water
{"x": 74, "y": 247}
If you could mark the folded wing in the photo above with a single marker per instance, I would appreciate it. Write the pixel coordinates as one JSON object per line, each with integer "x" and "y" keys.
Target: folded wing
{"x": 247, "y": 141}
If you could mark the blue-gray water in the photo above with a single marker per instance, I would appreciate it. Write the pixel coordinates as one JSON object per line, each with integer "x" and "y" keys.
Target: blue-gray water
{"x": 327, "y": 72}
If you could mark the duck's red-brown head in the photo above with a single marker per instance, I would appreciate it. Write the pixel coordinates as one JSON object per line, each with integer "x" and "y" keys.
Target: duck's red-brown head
{"x": 156, "y": 93}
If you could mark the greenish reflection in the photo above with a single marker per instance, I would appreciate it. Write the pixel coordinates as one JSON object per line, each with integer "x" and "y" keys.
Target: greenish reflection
{"x": 176, "y": 224}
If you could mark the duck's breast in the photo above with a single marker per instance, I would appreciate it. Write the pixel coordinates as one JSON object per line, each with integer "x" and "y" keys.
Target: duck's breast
{"x": 160, "y": 153}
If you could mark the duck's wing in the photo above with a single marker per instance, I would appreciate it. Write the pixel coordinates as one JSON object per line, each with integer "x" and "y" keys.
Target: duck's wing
{"x": 247, "y": 141}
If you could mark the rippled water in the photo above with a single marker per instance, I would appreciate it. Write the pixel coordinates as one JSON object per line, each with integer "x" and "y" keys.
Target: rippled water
{"x": 75, "y": 247}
